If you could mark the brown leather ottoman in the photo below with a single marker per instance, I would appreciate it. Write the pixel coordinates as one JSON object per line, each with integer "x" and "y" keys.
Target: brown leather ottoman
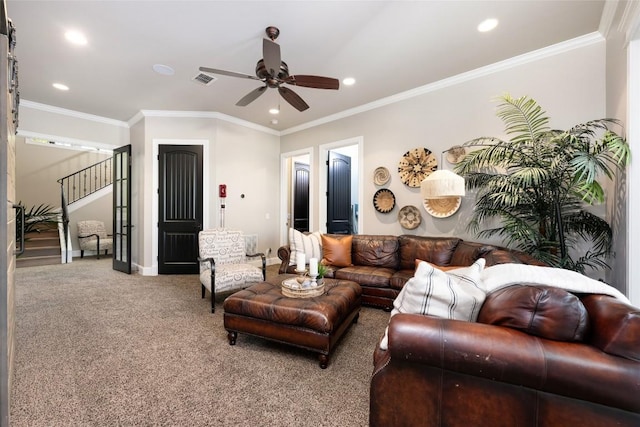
{"x": 315, "y": 324}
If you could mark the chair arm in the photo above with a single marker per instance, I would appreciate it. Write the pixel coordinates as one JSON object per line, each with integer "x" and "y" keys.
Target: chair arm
{"x": 89, "y": 235}
{"x": 264, "y": 263}
{"x": 211, "y": 261}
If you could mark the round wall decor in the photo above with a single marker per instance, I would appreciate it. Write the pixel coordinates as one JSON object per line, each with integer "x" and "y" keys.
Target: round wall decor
{"x": 442, "y": 208}
{"x": 415, "y": 165}
{"x": 384, "y": 201}
{"x": 409, "y": 217}
{"x": 381, "y": 176}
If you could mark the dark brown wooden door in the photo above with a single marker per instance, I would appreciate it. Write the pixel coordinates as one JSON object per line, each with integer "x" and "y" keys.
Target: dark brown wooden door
{"x": 301, "y": 197}
{"x": 339, "y": 194}
{"x": 180, "y": 210}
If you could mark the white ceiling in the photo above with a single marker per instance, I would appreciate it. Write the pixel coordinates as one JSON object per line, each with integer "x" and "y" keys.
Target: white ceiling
{"x": 388, "y": 46}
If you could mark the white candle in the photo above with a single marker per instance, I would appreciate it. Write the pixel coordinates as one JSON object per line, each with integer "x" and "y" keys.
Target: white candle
{"x": 313, "y": 267}
{"x": 300, "y": 262}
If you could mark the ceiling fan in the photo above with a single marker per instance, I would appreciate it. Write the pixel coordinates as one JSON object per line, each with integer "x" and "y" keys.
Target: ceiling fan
{"x": 274, "y": 72}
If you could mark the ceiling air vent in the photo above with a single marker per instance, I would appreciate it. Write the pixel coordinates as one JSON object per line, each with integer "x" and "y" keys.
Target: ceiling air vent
{"x": 204, "y": 79}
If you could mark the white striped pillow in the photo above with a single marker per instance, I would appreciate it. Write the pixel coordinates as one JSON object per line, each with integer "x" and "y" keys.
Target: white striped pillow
{"x": 308, "y": 244}
{"x": 455, "y": 294}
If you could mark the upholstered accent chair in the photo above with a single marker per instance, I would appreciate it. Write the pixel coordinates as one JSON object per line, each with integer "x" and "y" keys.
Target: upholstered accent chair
{"x": 93, "y": 237}
{"x": 224, "y": 262}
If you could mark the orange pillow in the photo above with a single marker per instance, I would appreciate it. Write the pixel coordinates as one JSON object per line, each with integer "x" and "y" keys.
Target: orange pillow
{"x": 440, "y": 267}
{"x": 336, "y": 251}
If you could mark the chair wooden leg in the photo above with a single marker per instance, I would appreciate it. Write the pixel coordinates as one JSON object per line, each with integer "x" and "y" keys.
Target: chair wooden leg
{"x": 203, "y": 289}
{"x": 213, "y": 302}
{"x": 81, "y": 253}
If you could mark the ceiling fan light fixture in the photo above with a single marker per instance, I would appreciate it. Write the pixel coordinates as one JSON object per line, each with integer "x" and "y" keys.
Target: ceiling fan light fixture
{"x": 274, "y": 110}
{"x": 349, "y": 81}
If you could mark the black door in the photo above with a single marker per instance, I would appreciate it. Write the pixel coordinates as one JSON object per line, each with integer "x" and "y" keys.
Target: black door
{"x": 339, "y": 194}
{"x": 301, "y": 197}
{"x": 180, "y": 210}
{"x": 121, "y": 209}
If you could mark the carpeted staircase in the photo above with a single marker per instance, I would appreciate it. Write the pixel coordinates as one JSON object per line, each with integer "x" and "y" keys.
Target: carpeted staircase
{"x": 41, "y": 247}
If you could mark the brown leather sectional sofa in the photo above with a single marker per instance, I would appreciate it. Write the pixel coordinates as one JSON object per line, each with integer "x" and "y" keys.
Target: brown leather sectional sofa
{"x": 537, "y": 356}
{"x": 439, "y": 372}
{"x": 382, "y": 264}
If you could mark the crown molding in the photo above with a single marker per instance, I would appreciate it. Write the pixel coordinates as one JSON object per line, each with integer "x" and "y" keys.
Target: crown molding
{"x": 201, "y": 115}
{"x": 546, "y": 52}
{"x": 71, "y": 113}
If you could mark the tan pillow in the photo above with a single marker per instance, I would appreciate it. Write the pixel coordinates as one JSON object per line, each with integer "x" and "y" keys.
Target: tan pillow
{"x": 440, "y": 267}
{"x": 336, "y": 251}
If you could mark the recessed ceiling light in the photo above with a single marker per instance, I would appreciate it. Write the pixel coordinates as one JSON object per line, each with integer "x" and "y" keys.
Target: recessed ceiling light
{"x": 75, "y": 37}
{"x": 487, "y": 25}
{"x": 165, "y": 70}
{"x": 274, "y": 121}
{"x": 349, "y": 81}
{"x": 60, "y": 86}
{"x": 274, "y": 110}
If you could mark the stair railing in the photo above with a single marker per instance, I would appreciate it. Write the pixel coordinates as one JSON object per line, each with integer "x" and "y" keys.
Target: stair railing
{"x": 81, "y": 184}
{"x": 87, "y": 181}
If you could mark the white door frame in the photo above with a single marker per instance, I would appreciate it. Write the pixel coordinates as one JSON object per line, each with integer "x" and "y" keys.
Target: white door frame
{"x": 285, "y": 190}
{"x": 322, "y": 177}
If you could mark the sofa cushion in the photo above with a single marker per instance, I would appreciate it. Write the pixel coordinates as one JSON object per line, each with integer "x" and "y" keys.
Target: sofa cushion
{"x": 375, "y": 251}
{"x": 439, "y": 267}
{"x": 308, "y": 244}
{"x": 615, "y": 326}
{"x": 400, "y": 278}
{"x": 336, "y": 250}
{"x": 467, "y": 253}
{"x": 366, "y": 275}
{"x": 437, "y": 250}
{"x": 543, "y": 311}
{"x": 455, "y": 294}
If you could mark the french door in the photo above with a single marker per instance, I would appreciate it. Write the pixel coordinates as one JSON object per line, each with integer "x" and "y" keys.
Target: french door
{"x": 122, "y": 209}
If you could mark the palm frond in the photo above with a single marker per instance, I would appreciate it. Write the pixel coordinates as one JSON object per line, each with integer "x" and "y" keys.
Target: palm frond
{"x": 523, "y": 118}
{"x": 536, "y": 184}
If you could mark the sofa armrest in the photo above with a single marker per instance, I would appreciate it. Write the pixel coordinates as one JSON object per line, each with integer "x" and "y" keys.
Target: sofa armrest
{"x": 505, "y": 355}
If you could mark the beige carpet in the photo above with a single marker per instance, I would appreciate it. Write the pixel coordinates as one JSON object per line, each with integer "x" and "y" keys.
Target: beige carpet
{"x": 96, "y": 347}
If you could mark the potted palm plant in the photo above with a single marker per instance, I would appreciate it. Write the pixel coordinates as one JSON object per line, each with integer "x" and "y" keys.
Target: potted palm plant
{"x": 533, "y": 189}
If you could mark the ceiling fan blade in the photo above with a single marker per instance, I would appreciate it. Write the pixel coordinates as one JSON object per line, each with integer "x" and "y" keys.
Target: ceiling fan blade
{"x": 227, "y": 73}
{"x": 316, "y": 82}
{"x": 271, "y": 56}
{"x": 292, "y": 98}
{"x": 251, "y": 96}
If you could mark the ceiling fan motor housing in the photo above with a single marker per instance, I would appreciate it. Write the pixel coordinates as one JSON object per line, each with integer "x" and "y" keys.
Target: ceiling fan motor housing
{"x": 263, "y": 74}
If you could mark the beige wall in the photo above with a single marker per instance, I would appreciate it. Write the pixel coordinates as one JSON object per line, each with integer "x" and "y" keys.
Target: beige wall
{"x": 244, "y": 158}
{"x": 452, "y": 115}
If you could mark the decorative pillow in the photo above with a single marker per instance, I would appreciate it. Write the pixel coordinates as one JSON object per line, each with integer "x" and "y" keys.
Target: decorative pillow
{"x": 308, "y": 244}
{"x": 455, "y": 294}
{"x": 543, "y": 311}
{"x": 439, "y": 267}
{"x": 502, "y": 275}
{"x": 336, "y": 250}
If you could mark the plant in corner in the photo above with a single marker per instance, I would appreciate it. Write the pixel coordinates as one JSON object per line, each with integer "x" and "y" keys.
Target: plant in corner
{"x": 38, "y": 218}
{"x": 538, "y": 184}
